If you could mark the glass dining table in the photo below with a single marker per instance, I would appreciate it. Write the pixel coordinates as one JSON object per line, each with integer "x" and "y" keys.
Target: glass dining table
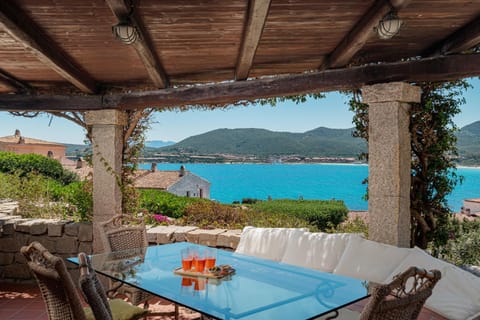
{"x": 259, "y": 288}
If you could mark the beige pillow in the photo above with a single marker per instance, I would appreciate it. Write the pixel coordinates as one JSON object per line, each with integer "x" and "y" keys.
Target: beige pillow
{"x": 267, "y": 243}
{"x": 369, "y": 260}
{"x": 321, "y": 251}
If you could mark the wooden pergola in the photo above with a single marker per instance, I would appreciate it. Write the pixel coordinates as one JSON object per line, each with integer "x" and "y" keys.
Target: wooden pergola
{"x": 61, "y": 56}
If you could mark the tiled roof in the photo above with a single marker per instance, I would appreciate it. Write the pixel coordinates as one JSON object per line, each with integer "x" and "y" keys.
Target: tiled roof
{"x": 15, "y": 140}
{"x": 156, "y": 179}
{"x": 144, "y": 179}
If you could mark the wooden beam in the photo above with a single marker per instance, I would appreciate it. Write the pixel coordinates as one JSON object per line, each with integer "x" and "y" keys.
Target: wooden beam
{"x": 463, "y": 39}
{"x": 24, "y": 30}
{"x": 429, "y": 69}
{"x": 143, "y": 46}
{"x": 360, "y": 33}
{"x": 14, "y": 83}
{"x": 257, "y": 16}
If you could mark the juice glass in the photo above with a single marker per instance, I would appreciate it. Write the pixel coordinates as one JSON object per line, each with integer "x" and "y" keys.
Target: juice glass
{"x": 210, "y": 258}
{"x": 187, "y": 258}
{"x": 200, "y": 261}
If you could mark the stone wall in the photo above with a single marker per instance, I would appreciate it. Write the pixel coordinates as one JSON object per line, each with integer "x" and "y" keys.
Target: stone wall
{"x": 66, "y": 239}
{"x": 60, "y": 237}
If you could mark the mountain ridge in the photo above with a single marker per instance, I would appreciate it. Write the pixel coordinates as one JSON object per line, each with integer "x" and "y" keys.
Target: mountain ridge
{"x": 266, "y": 144}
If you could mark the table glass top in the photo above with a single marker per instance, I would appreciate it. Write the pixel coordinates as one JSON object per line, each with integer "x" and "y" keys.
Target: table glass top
{"x": 259, "y": 289}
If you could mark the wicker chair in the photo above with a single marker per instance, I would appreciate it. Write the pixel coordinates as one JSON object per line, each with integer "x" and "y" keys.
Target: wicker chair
{"x": 56, "y": 285}
{"x": 124, "y": 232}
{"x": 401, "y": 299}
{"x": 94, "y": 293}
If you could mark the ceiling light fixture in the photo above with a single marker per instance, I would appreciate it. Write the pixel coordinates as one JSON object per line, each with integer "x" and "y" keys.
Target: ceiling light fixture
{"x": 126, "y": 32}
{"x": 389, "y": 26}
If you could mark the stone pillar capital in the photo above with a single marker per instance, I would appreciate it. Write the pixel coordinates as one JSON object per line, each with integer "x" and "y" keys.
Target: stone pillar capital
{"x": 393, "y": 91}
{"x": 107, "y": 116}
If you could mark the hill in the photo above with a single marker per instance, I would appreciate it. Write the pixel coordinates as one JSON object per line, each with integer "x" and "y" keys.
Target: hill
{"x": 468, "y": 143}
{"x": 320, "y": 142}
{"x": 261, "y": 143}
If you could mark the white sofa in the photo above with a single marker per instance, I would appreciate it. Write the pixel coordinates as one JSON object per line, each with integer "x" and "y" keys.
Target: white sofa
{"x": 456, "y": 296}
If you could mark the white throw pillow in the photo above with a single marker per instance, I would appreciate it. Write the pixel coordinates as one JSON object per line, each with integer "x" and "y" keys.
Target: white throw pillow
{"x": 369, "y": 260}
{"x": 456, "y": 295}
{"x": 267, "y": 243}
{"x": 319, "y": 250}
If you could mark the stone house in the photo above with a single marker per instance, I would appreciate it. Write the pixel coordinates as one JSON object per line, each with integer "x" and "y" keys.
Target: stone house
{"x": 23, "y": 145}
{"x": 179, "y": 182}
{"x": 471, "y": 207}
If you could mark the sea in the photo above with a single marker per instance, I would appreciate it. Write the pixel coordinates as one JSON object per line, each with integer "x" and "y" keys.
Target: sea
{"x": 234, "y": 182}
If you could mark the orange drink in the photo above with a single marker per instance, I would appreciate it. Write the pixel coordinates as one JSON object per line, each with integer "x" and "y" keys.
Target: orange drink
{"x": 187, "y": 258}
{"x": 187, "y": 264}
{"x": 200, "y": 264}
{"x": 209, "y": 262}
{"x": 211, "y": 257}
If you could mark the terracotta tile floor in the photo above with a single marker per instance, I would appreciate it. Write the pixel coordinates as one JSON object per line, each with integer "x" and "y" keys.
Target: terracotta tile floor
{"x": 24, "y": 302}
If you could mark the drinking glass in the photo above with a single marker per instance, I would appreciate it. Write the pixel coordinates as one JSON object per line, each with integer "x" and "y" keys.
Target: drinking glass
{"x": 187, "y": 258}
{"x": 210, "y": 257}
{"x": 199, "y": 259}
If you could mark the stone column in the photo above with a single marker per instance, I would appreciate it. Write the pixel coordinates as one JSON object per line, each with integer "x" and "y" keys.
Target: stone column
{"x": 389, "y": 161}
{"x": 107, "y": 136}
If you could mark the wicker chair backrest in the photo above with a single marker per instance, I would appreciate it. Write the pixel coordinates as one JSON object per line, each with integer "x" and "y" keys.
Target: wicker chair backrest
{"x": 92, "y": 289}
{"x": 123, "y": 232}
{"x": 55, "y": 283}
{"x": 403, "y": 298}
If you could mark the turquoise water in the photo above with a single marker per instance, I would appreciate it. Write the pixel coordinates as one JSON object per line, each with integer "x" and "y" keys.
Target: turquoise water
{"x": 232, "y": 182}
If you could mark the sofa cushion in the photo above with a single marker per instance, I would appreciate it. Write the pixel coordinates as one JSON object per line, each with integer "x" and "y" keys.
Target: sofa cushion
{"x": 267, "y": 243}
{"x": 456, "y": 295}
{"x": 369, "y": 260}
{"x": 320, "y": 250}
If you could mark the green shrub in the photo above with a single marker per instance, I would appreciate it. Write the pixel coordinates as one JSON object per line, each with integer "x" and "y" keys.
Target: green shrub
{"x": 318, "y": 213}
{"x": 275, "y": 220}
{"x": 249, "y": 200}
{"x": 462, "y": 248}
{"x": 162, "y": 202}
{"x": 357, "y": 225}
{"x": 24, "y": 164}
{"x": 42, "y": 197}
{"x": 80, "y": 194}
{"x": 210, "y": 214}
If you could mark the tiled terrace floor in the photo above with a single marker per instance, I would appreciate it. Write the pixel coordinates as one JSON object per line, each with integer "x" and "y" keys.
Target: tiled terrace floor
{"x": 24, "y": 302}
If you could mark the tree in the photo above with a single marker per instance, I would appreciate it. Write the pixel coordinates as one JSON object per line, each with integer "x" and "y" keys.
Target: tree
{"x": 433, "y": 145}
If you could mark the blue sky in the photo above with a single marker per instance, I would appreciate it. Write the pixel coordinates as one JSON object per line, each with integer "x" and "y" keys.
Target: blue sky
{"x": 331, "y": 112}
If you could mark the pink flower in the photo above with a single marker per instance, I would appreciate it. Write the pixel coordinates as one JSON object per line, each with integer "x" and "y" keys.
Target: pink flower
{"x": 160, "y": 218}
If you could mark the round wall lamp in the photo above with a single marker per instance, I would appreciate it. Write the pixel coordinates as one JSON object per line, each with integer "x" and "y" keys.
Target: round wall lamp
{"x": 125, "y": 32}
{"x": 389, "y": 26}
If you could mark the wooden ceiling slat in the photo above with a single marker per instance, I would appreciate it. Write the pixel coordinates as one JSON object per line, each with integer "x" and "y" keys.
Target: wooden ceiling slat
{"x": 360, "y": 33}
{"x": 463, "y": 39}
{"x": 143, "y": 45}
{"x": 257, "y": 16}
{"x": 430, "y": 69}
{"x": 14, "y": 83}
{"x": 19, "y": 26}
